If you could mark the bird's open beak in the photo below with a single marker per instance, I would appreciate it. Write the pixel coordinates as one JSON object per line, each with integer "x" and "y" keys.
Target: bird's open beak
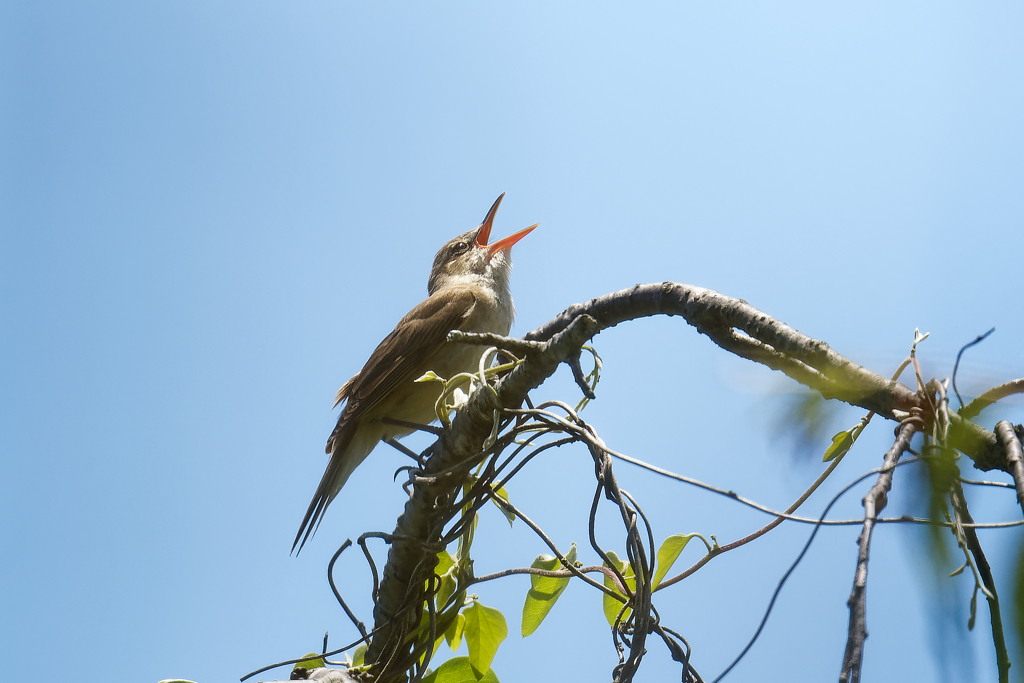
{"x": 484, "y": 233}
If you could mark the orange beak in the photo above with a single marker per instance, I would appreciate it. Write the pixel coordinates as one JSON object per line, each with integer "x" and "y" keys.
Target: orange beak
{"x": 502, "y": 245}
{"x": 485, "y": 232}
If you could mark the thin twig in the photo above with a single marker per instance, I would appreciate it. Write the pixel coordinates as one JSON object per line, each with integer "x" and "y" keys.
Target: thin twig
{"x": 505, "y": 343}
{"x": 796, "y": 562}
{"x": 1000, "y": 484}
{"x": 874, "y": 502}
{"x": 760, "y": 532}
{"x": 302, "y": 659}
{"x": 735, "y": 496}
{"x": 561, "y": 557}
{"x": 956, "y": 366}
{"x": 985, "y": 573}
{"x": 581, "y": 380}
{"x": 553, "y": 573}
{"x": 337, "y": 594}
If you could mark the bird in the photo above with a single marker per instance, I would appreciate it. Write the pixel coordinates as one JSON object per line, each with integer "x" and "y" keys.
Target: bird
{"x": 468, "y": 290}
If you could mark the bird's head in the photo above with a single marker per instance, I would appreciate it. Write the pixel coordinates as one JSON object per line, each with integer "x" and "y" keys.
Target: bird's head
{"x": 468, "y": 259}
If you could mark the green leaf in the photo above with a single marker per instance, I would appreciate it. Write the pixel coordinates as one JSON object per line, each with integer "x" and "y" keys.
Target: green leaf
{"x": 445, "y": 561}
{"x": 458, "y": 670}
{"x": 611, "y": 605}
{"x": 312, "y": 661}
{"x": 667, "y": 554}
{"x": 841, "y": 443}
{"x": 445, "y": 569}
{"x": 445, "y": 590}
{"x": 502, "y": 495}
{"x": 359, "y": 655}
{"x": 430, "y": 376}
{"x": 544, "y": 590}
{"x": 442, "y": 624}
{"x": 485, "y": 629}
{"x": 454, "y": 633}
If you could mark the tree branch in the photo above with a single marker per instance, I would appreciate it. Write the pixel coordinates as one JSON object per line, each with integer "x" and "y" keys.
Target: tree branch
{"x": 739, "y": 328}
{"x": 731, "y": 323}
{"x": 778, "y": 346}
{"x": 874, "y": 502}
{"x": 1011, "y": 442}
{"x": 974, "y": 408}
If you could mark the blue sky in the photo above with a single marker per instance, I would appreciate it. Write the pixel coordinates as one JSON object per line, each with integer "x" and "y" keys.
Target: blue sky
{"x": 210, "y": 213}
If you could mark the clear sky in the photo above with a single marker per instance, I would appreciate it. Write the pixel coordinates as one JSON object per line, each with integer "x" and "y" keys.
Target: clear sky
{"x": 210, "y": 213}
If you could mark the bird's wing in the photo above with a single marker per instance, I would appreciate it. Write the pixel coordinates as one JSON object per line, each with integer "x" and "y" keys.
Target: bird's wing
{"x": 395, "y": 362}
{"x": 418, "y": 335}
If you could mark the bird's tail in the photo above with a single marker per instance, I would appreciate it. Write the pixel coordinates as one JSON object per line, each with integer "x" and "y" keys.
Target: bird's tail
{"x": 347, "y": 451}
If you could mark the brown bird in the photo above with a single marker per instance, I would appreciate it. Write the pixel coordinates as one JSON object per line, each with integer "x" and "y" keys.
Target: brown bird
{"x": 468, "y": 290}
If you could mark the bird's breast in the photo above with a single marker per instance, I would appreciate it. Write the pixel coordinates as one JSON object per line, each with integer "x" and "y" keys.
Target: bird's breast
{"x": 414, "y": 402}
{"x": 488, "y": 314}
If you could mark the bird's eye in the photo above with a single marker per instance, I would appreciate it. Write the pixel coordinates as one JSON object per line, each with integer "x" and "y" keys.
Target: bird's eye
{"x": 461, "y": 247}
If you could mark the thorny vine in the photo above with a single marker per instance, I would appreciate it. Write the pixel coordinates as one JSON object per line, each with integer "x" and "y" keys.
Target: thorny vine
{"x": 455, "y": 477}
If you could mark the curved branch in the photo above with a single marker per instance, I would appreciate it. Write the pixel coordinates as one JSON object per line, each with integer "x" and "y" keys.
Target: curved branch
{"x": 974, "y": 408}
{"x": 760, "y": 338}
{"x": 731, "y": 323}
{"x": 739, "y": 328}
